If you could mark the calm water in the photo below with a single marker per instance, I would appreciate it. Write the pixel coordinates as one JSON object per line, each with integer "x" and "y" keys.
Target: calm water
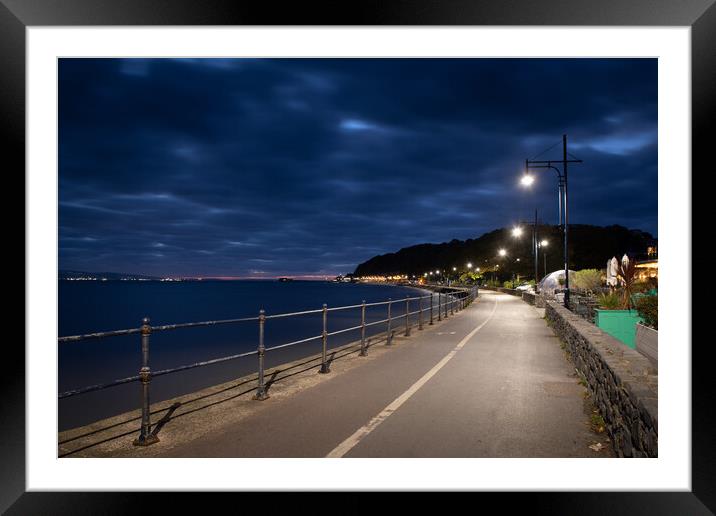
{"x": 92, "y": 306}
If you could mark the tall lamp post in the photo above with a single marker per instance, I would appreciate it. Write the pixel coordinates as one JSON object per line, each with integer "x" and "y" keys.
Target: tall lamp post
{"x": 563, "y": 193}
{"x": 517, "y": 232}
{"x": 535, "y": 250}
{"x": 501, "y": 253}
{"x": 527, "y": 181}
{"x": 543, "y": 243}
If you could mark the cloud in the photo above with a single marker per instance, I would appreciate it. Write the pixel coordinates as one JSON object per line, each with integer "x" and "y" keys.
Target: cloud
{"x": 229, "y": 163}
{"x": 620, "y": 144}
{"x": 352, "y": 124}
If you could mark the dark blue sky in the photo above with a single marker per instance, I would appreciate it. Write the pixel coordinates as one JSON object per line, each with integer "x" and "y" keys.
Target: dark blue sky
{"x": 248, "y": 167}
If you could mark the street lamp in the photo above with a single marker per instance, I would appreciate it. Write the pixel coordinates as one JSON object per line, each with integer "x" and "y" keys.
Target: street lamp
{"x": 469, "y": 265}
{"x": 502, "y": 253}
{"x": 527, "y": 180}
{"x": 562, "y": 183}
{"x": 517, "y": 232}
{"x": 544, "y": 243}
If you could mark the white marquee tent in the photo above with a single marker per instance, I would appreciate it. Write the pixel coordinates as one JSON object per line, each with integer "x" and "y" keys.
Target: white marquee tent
{"x": 550, "y": 282}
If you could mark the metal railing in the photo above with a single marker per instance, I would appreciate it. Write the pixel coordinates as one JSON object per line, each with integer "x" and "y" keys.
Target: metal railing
{"x": 448, "y": 302}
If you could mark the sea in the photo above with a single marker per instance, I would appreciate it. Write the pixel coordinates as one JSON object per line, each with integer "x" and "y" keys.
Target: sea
{"x": 97, "y": 306}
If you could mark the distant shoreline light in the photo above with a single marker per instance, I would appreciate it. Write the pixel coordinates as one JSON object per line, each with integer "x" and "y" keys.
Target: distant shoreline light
{"x": 203, "y": 278}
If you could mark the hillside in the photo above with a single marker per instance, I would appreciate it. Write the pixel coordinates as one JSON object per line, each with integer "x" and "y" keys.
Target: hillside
{"x": 589, "y": 247}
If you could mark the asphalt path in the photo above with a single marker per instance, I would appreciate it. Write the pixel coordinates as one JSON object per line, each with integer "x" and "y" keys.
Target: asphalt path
{"x": 491, "y": 381}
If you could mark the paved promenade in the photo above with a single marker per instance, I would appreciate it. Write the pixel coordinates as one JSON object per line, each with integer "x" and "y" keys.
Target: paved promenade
{"x": 490, "y": 382}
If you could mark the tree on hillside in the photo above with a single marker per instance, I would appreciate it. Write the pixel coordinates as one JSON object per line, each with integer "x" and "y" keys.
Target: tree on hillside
{"x": 590, "y": 247}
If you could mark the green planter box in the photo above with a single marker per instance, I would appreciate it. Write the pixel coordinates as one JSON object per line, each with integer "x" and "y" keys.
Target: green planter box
{"x": 620, "y": 324}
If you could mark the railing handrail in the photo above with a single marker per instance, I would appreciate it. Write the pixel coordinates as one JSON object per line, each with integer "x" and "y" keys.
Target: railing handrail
{"x": 166, "y": 327}
{"x": 455, "y": 302}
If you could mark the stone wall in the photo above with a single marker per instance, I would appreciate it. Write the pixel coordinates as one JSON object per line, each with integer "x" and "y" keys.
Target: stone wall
{"x": 622, "y": 382}
{"x": 583, "y": 306}
{"x": 533, "y": 299}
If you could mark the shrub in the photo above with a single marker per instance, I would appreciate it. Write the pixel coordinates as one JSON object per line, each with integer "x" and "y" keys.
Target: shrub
{"x": 611, "y": 301}
{"x": 648, "y": 308}
{"x": 470, "y": 276}
{"x": 646, "y": 285}
{"x": 587, "y": 279}
{"x": 508, "y": 284}
{"x": 640, "y": 287}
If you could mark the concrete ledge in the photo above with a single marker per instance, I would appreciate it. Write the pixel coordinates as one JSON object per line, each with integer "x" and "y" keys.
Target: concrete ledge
{"x": 647, "y": 343}
{"x": 622, "y": 382}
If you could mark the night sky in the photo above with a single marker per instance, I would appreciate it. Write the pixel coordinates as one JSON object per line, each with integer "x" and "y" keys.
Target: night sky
{"x": 270, "y": 167}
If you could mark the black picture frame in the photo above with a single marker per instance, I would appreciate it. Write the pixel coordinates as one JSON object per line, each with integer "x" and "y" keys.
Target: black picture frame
{"x": 17, "y": 15}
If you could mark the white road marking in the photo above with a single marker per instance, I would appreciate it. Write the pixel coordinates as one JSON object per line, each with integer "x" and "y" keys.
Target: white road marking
{"x": 353, "y": 440}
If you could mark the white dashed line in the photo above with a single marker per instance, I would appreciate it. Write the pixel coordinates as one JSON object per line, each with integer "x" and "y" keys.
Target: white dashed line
{"x": 353, "y": 440}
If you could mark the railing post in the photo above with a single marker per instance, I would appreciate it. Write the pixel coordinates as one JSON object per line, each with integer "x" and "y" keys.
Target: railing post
{"x": 261, "y": 393}
{"x": 407, "y": 316}
{"x": 431, "y": 308}
{"x": 324, "y": 364}
{"x": 362, "y": 330}
{"x": 389, "y": 338}
{"x": 452, "y": 304}
{"x": 420, "y": 313}
{"x": 440, "y": 306}
{"x": 145, "y": 436}
{"x": 446, "y": 306}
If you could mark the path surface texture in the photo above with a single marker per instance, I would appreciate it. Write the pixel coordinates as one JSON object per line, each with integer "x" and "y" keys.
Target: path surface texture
{"x": 490, "y": 381}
